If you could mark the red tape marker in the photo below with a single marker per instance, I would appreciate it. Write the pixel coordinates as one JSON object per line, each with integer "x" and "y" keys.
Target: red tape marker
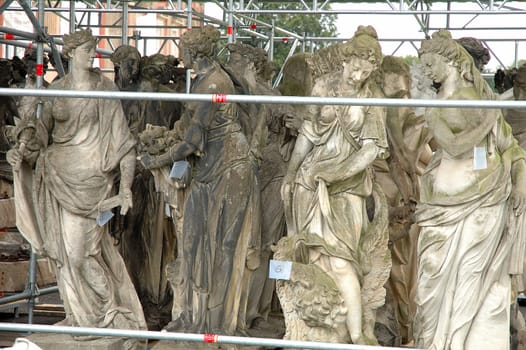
{"x": 253, "y": 26}
{"x": 219, "y": 98}
{"x": 230, "y": 30}
{"x": 8, "y": 36}
{"x": 98, "y": 55}
{"x": 210, "y": 338}
{"x": 39, "y": 70}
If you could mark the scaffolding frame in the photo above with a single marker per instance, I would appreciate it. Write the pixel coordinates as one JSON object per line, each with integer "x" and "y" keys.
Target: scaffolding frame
{"x": 238, "y": 18}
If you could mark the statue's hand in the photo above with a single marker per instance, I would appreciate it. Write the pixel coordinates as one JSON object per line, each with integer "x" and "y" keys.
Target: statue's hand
{"x": 148, "y": 161}
{"x": 14, "y": 158}
{"x": 293, "y": 121}
{"x": 518, "y": 199}
{"x": 126, "y": 200}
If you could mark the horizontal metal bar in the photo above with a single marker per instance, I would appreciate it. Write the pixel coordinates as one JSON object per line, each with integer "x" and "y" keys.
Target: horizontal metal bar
{"x": 103, "y": 10}
{"x": 199, "y": 338}
{"x": 382, "y": 12}
{"x": 26, "y": 294}
{"x": 265, "y": 99}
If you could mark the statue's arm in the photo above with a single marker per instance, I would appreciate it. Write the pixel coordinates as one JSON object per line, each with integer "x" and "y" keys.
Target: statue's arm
{"x": 351, "y": 166}
{"x": 127, "y": 170}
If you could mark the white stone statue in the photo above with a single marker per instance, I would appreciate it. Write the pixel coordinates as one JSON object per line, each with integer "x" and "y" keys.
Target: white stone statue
{"x": 329, "y": 184}
{"x": 471, "y": 211}
{"x": 62, "y": 187}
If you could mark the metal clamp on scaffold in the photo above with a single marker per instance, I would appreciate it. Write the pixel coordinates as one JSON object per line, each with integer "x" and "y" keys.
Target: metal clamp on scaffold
{"x": 219, "y": 98}
{"x": 210, "y": 338}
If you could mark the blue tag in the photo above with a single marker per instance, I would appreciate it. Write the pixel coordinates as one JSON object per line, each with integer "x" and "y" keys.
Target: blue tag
{"x": 104, "y": 217}
{"x": 479, "y": 158}
{"x": 178, "y": 169}
{"x": 279, "y": 270}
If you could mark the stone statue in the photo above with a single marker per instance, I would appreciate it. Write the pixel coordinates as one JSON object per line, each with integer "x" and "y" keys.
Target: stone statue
{"x": 8, "y": 113}
{"x": 398, "y": 177}
{"x": 329, "y": 184}
{"x": 273, "y": 134}
{"x": 147, "y": 241}
{"x": 477, "y": 50}
{"x": 516, "y": 117}
{"x": 222, "y": 232}
{"x": 63, "y": 189}
{"x": 471, "y": 212}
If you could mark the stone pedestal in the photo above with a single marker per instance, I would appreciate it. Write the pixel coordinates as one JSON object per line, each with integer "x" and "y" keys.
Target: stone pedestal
{"x": 67, "y": 342}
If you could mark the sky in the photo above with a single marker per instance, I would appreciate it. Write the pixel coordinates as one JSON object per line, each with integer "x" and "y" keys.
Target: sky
{"x": 405, "y": 26}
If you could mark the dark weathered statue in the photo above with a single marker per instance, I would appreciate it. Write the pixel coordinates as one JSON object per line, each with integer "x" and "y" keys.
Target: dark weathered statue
{"x": 221, "y": 221}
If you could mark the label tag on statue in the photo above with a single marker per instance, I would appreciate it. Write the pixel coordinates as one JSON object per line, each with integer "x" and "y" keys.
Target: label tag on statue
{"x": 479, "y": 158}
{"x": 167, "y": 210}
{"x": 104, "y": 217}
{"x": 279, "y": 270}
{"x": 178, "y": 169}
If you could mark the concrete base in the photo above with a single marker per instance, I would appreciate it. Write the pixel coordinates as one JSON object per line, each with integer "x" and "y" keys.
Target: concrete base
{"x": 67, "y": 342}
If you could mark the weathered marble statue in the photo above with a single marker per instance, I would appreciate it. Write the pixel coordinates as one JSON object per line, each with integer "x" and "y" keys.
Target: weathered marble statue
{"x": 326, "y": 191}
{"x": 222, "y": 206}
{"x": 517, "y": 117}
{"x": 84, "y": 145}
{"x": 471, "y": 212}
{"x": 148, "y": 234}
{"x": 398, "y": 177}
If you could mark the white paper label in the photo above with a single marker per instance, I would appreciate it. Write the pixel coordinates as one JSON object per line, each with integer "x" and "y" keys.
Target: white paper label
{"x": 178, "y": 169}
{"x": 167, "y": 210}
{"x": 279, "y": 270}
{"x": 479, "y": 158}
{"x": 104, "y": 217}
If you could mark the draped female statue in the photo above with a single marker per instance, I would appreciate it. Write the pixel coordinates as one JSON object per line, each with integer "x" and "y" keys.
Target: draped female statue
{"x": 472, "y": 199}
{"x": 62, "y": 187}
{"x": 329, "y": 183}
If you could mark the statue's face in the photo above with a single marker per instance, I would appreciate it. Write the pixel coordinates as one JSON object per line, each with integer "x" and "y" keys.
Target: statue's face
{"x": 436, "y": 67}
{"x": 83, "y": 55}
{"x": 188, "y": 57}
{"x": 357, "y": 70}
{"x": 396, "y": 85}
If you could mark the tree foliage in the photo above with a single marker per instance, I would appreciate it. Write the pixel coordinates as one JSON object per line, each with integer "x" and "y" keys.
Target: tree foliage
{"x": 316, "y": 25}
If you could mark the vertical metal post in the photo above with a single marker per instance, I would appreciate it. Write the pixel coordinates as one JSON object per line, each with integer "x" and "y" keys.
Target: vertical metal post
{"x": 189, "y": 14}
{"x": 448, "y": 15}
{"x": 124, "y": 23}
{"x": 188, "y": 80}
{"x": 516, "y": 54}
{"x": 491, "y": 5}
{"x": 314, "y": 5}
{"x": 271, "y": 42}
{"x": 72, "y": 18}
{"x": 230, "y": 28}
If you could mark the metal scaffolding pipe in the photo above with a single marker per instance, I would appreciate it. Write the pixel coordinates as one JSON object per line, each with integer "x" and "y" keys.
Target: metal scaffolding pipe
{"x": 198, "y": 338}
{"x": 382, "y": 12}
{"x": 265, "y": 99}
{"x": 26, "y": 294}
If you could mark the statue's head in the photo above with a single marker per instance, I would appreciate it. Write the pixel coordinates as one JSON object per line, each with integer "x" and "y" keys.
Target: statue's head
{"x": 241, "y": 54}
{"x": 30, "y": 61}
{"x": 477, "y": 50}
{"x": 443, "y": 50}
{"x": 362, "y": 55}
{"x": 126, "y": 61}
{"x": 364, "y": 45}
{"x": 76, "y": 39}
{"x": 519, "y": 83}
{"x": 442, "y": 44}
{"x": 159, "y": 68}
{"x": 199, "y": 42}
{"x": 396, "y": 77}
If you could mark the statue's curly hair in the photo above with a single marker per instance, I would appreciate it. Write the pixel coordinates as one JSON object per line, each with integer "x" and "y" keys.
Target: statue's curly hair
{"x": 74, "y": 40}
{"x": 364, "y": 44}
{"x": 256, "y": 55}
{"x": 123, "y": 52}
{"x": 201, "y": 40}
